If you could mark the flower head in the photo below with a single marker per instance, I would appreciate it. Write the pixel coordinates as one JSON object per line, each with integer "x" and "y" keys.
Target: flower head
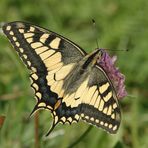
{"x": 117, "y": 78}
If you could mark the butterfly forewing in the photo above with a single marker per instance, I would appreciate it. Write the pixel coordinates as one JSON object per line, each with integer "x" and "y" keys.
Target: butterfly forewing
{"x": 36, "y": 44}
{"x": 49, "y": 56}
{"x": 58, "y": 80}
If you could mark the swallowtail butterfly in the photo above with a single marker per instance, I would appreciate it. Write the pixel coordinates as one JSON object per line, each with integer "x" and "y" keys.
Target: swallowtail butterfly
{"x": 66, "y": 80}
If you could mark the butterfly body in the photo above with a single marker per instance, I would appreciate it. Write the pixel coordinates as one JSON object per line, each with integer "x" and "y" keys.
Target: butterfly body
{"x": 66, "y": 80}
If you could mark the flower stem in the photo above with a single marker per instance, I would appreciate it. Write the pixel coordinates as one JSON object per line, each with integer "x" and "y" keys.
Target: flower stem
{"x": 36, "y": 134}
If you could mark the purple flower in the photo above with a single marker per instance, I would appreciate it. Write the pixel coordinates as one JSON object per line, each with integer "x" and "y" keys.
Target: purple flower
{"x": 116, "y": 77}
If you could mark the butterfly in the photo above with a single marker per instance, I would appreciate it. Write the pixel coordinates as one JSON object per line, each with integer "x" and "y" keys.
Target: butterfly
{"x": 66, "y": 80}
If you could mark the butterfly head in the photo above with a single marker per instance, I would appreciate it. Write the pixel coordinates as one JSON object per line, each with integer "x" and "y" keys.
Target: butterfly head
{"x": 98, "y": 54}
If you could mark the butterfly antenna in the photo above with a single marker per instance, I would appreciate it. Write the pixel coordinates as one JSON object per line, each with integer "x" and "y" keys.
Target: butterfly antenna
{"x": 116, "y": 49}
{"x": 96, "y": 39}
{"x": 95, "y": 32}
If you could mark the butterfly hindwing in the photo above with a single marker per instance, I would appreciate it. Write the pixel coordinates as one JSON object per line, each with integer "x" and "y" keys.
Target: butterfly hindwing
{"x": 93, "y": 98}
{"x": 92, "y": 95}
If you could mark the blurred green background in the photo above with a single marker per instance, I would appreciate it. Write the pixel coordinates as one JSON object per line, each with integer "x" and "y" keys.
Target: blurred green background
{"x": 120, "y": 24}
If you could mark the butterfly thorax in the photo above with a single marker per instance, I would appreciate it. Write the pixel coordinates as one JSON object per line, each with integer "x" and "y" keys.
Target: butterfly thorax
{"x": 91, "y": 59}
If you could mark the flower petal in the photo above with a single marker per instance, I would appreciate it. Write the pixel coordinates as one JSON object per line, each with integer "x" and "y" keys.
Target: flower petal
{"x": 118, "y": 79}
